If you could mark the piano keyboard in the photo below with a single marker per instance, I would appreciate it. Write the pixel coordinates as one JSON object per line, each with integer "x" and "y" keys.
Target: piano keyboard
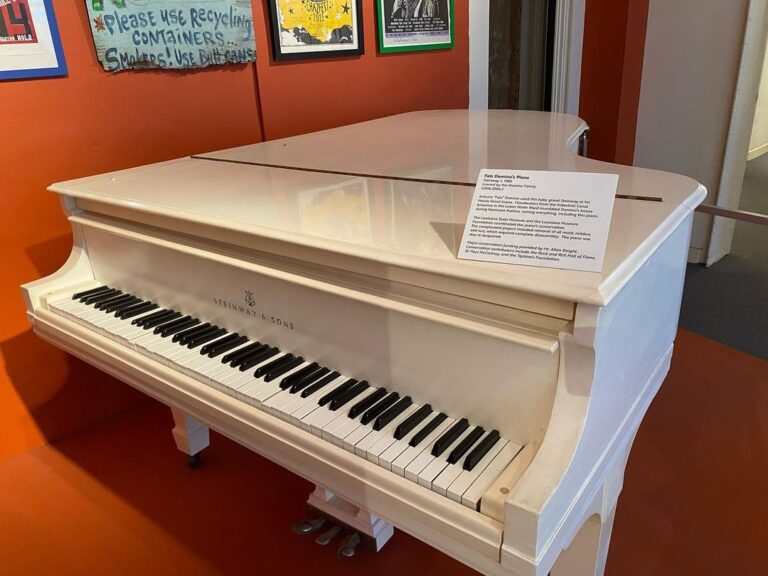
{"x": 449, "y": 456}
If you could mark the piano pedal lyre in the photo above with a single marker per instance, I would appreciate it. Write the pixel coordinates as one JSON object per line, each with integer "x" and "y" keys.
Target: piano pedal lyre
{"x": 367, "y": 527}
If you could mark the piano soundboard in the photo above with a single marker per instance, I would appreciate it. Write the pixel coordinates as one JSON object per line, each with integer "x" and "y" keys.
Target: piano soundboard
{"x": 303, "y": 298}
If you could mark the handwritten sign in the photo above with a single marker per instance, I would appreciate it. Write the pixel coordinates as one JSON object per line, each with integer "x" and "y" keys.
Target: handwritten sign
{"x": 549, "y": 219}
{"x": 140, "y": 34}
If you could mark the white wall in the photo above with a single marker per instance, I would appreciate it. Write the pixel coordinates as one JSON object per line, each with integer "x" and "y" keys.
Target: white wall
{"x": 692, "y": 55}
{"x": 478, "y": 54}
{"x": 758, "y": 143}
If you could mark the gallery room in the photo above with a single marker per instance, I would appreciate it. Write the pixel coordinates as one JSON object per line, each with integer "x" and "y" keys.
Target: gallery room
{"x": 384, "y": 287}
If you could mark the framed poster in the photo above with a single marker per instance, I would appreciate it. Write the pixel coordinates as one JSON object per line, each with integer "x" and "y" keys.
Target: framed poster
{"x": 30, "y": 46}
{"x": 410, "y": 25}
{"x": 316, "y": 28}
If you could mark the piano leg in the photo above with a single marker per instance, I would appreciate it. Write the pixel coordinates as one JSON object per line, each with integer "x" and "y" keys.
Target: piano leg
{"x": 190, "y": 435}
{"x": 353, "y": 516}
{"x": 587, "y": 553}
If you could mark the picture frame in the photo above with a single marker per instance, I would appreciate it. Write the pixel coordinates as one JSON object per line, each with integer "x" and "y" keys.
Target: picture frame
{"x": 303, "y": 29}
{"x": 30, "y": 45}
{"x": 415, "y": 25}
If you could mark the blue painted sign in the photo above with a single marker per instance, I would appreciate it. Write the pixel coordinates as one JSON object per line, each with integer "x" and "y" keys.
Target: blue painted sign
{"x": 171, "y": 34}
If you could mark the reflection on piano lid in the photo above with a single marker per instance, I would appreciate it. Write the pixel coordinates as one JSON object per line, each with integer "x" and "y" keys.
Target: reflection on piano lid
{"x": 303, "y": 297}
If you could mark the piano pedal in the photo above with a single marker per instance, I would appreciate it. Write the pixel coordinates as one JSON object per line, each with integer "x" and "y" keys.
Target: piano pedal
{"x": 193, "y": 461}
{"x": 326, "y": 537}
{"x": 307, "y": 526}
{"x": 349, "y": 545}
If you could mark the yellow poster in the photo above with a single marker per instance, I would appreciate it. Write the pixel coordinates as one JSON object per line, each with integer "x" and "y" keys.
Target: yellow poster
{"x": 322, "y": 27}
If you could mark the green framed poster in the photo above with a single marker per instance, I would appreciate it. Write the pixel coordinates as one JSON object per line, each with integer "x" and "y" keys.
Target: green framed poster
{"x": 411, "y": 25}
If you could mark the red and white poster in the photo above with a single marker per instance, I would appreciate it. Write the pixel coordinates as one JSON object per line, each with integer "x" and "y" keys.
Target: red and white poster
{"x": 16, "y": 23}
{"x": 30, "y": 46}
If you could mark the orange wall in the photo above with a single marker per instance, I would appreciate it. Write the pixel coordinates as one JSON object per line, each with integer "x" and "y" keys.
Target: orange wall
{"x": 300, "y": 97}
{"x": 611, "y": 72}
{"x": 93, "y": 122}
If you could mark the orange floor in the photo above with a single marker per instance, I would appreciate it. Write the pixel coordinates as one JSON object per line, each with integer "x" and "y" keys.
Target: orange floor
{"x": 116, "y": 498}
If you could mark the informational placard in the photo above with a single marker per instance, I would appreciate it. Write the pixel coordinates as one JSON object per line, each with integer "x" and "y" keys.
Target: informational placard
{"x": 129, "y": 34}
{"x": 549, "y": 219}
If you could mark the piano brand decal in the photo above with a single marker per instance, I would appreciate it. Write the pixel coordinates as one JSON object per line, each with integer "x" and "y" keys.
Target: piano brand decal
{"x": 248, "y": 309}
{"x": 137, "y": 34}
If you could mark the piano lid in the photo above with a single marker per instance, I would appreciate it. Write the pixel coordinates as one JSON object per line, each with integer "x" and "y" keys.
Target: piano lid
{"x": 392, "y": 196}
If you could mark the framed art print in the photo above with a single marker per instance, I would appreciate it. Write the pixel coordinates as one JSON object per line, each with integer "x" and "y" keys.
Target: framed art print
{"x": 30, "y": 46}
{"x": 410, "y": 25}
{"x": 316, "y": 28}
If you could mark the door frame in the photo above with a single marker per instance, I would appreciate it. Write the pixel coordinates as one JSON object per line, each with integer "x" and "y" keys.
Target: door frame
{"x": 566, "y": 64}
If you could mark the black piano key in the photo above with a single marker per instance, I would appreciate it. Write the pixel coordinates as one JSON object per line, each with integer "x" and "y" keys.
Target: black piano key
{"x": 274, "y": 365}
{"x": 481, "y": 449}
{"x": 157, "y": 314}
{"x": 186, "y": 335}
{"x": 160, "y": 320}
{"x": 253, "y": 359}
{"x": 111, "y": 293}
{"x": 418, "y": 438}
{"x": 249, "y": 352}
{"x": 109, "y": 301}
{"x": 336, "y": 392}
{"x": 242, "y": 352}
{"x": 366, "y": 403}
{"x": 283, "y": 369}
{"x": 392, "y": 413}
{"x": 307, "y": 380}
{"x": 449, "y": 437}
{"x": 191, "y": 331}
{"x": 177, "y": 325}
{"x": 91, "y": 292}
{"x": 348, "y": 396}
{"x": 219, "y": 349}
{"x": 135, "y": 310}
{"x": 412, "y": 421}
{"x": 319, "y": 384}
{"x": 299, "y": 375}
{"x": 466, "y": 444}
{"x": 116, "y": 307}
{"x": 200, "y": 333}
{"x": 379, "y": 408}
{"x": 207, "y": 337}
{"x": 222, "y": 342}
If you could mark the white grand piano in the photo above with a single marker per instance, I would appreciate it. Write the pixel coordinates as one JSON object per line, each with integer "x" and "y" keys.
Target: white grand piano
{"x": 303, "y": 298}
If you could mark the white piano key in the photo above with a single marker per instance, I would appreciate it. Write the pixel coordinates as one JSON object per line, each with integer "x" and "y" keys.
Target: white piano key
{"x": 473, "y": 494}
{"x": 467, "y": 477}
{"x": 384, "y": 445}
{"x": 379, "y": 440}
{"x": 437, "y": 464}
{"x": 357, "y": 435}
{"x": 232, "y": 385}
{"x": 324, "y": 415}
{"x": 292, "y": 407}
{"x": 399, "y": 446}
{"x": 280, "y": 403}
{"x": 319, "y": 418}
{"x": 300, "y": 413}
{"x": 400, "y": 464}
{"x": 443, "y": 480}
{"x": 260, "y": 394}
{"x": 338, "y": 428}
{"x": 259, "y": 381}
{"x": 452, "y": 471}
